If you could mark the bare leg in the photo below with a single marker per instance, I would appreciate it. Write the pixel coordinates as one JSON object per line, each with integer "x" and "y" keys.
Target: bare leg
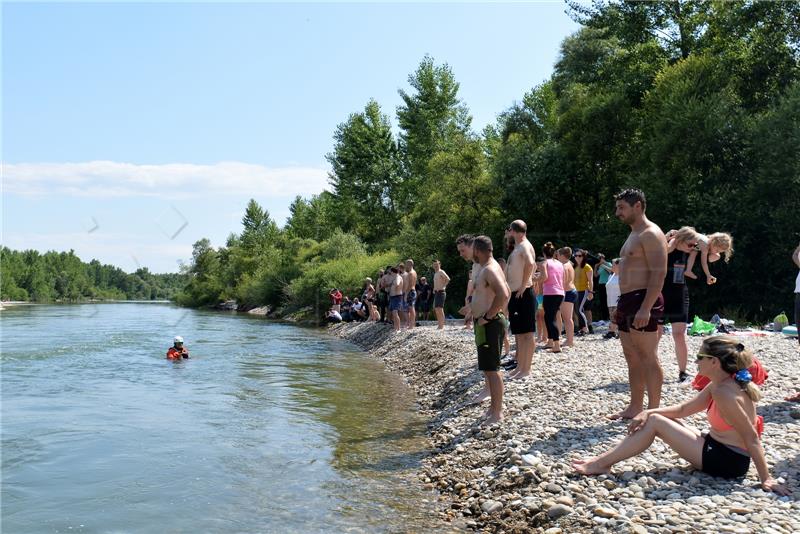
{"x": 647, "y": 349}
{"x": 396, "y": 320}
{"x": 681, "y": 345}
{"x": 588, "y": 314}
{"x": 439, "y": 317}
{"x": 690, "y": 265}
{"x": 635, "y": 378}
{"x": 686, "y": 441}
{"x": 525, "y": 347}
{"x": 541, "y": 328}
{"x": 569, "y": 325}
{"x": 495, "y": 383}
{"x": 412, "y": 317}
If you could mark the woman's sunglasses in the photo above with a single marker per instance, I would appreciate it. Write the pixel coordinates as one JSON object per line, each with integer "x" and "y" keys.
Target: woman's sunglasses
{"x": 701, "y": 356}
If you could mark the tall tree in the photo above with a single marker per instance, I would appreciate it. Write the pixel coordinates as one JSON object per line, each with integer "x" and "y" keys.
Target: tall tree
{"x": 365, "y": 174}
{"x": 432, "y": 119}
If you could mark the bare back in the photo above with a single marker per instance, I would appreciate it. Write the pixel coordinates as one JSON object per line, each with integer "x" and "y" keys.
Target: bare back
{"x": 569, "y": 276}
{"x": 521, "y": 257}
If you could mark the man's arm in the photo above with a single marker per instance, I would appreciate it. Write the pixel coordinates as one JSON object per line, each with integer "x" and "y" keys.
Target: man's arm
{"x": 796, "y": 256}
{"x": 446, "y": 278}
{"x": 655, "y": 256}
{"x": 501, "y": 292}
{"x": 527, "y": 272}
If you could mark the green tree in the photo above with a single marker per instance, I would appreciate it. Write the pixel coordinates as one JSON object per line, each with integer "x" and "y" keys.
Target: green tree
{"x": 432, "y": 119}
{"x": 365, "y": 174}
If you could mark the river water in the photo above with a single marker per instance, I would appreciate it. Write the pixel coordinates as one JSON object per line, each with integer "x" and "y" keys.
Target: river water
{"x": 267, "y": 428}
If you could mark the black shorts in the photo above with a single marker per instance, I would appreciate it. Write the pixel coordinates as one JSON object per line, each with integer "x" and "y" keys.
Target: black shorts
{"x": 719, "y": 460}
{"x": 489, "y": 340}
{"x": 522, "y": 312}
{"x": 676, "y": 304}
{"x": 627, "y": 307}
{"x": 424, "y": 305}
{"x": 438, "y": 299}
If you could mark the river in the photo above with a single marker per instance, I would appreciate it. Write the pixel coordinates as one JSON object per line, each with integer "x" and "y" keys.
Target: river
{"x": 266, "y": 428}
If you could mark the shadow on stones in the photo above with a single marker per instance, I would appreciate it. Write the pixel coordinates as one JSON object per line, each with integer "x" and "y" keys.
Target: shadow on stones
{"x": 614, "y": 387}
{"x": 777, "y": 412}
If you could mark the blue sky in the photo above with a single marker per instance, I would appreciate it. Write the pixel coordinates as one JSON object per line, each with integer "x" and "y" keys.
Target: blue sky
{"x": 123, "y": 121}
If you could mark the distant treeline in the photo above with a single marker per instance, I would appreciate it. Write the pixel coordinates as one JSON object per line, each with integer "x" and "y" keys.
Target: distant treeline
{"x": 695, "y": 102}
{"x": 61, "y": 276}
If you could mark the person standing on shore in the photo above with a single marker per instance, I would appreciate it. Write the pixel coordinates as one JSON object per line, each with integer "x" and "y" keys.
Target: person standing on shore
{"x": 612, "y": 296}
{"x": 464, "y": 247}
{"x": 490, "y": 296}
{"x": 383, "y": 296}
{"x": 522, "y": 304}
{"x": 570, "y": 296}
{"x": 424, "y": 297}
{"x": 440, "y": 281}
{"x": 584, "y": 283}
{"x": 553, "y": 289}
{"x": 796, "y": 260}
{"x": 602, "y": 270}
{"x": 643, "y": 265}
{"x": 676, "y": 294}
{"x": 395, "y": 296}
{"x": 410, "y": 292}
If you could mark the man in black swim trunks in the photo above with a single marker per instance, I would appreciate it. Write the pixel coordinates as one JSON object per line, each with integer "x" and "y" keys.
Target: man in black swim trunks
{"x": 522, "y": 304}
{"x": 643, "y": 265}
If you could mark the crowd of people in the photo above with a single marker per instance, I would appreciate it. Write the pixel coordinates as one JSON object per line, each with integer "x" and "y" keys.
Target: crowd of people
{"x": 638, "y": 292}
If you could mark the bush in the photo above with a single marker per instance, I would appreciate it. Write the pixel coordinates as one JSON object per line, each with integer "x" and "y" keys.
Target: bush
{"x": 311, "y": 288}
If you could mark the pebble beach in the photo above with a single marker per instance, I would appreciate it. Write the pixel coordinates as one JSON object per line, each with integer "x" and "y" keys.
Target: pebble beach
{"x": 515, "y": 476}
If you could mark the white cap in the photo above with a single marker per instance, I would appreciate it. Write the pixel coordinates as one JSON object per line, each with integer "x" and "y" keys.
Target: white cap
{"x": 178, "y": 339}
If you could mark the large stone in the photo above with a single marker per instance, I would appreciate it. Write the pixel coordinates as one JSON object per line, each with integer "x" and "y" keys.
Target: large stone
{"x": 491, "y": 507}
{"x": 605, "y": 512}
{"x": 559, "y": 510}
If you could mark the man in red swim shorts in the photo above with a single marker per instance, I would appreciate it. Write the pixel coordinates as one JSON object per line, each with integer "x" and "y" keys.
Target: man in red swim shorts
{"x": 642, "y": 267}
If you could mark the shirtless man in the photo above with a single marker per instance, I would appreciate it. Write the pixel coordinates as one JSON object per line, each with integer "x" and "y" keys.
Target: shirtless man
{"x": 440, "y": 281}
{"x": 488, "y": 300}
{"x": 642, "y": 267}
{"x": 395, "y": 296}
{"x": 522, "y": 304}
{"x": 410, "y": 292}
{"x": 464, "y": 246}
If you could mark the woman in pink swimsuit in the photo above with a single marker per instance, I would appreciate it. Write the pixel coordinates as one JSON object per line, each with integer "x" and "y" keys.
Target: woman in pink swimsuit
{"x": 734, "y": 435}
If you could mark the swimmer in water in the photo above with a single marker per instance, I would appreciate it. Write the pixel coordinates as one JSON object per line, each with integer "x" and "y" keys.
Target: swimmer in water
{"x": 177, "y": 350}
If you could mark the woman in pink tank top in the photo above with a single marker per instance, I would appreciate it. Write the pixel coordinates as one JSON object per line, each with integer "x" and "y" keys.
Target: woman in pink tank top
{"x": 553, "y": 291}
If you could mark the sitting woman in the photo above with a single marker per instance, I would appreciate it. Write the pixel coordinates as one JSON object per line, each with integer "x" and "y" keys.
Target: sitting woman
{"x": 730, "y": 400}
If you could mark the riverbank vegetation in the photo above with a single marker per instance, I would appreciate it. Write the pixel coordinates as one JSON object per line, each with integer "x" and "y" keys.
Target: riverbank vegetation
{"x": 61, "y": 276}
{"x": 696, "y": 103}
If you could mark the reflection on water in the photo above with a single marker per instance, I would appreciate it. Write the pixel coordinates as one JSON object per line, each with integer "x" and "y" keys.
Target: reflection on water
{"x": 267, "y": 428}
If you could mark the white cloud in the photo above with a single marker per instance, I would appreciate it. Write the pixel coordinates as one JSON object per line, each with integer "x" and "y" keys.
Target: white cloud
{"x": 129, "y": 251}
{"x": 114, "y": 179}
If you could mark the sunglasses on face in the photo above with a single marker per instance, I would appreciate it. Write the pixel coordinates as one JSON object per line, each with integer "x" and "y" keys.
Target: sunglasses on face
{"x": 700, "y": 356}
{"x": 578, "y": 255}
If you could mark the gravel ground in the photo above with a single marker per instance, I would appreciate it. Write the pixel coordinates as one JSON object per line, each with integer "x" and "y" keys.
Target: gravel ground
{"x": 515, "y": 476}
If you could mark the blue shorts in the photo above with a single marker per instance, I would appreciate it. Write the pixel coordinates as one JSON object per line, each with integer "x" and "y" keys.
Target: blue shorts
{"x": 410, "y": 300}
{"x": 396, "y": 303}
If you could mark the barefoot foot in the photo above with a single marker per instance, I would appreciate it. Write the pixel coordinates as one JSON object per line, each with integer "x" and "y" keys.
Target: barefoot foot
{"x": 627, "y": 413}
{"x": 590, "y": 466}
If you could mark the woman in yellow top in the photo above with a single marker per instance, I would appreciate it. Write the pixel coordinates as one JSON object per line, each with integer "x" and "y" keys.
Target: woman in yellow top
{"x": 584, "y": 283}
